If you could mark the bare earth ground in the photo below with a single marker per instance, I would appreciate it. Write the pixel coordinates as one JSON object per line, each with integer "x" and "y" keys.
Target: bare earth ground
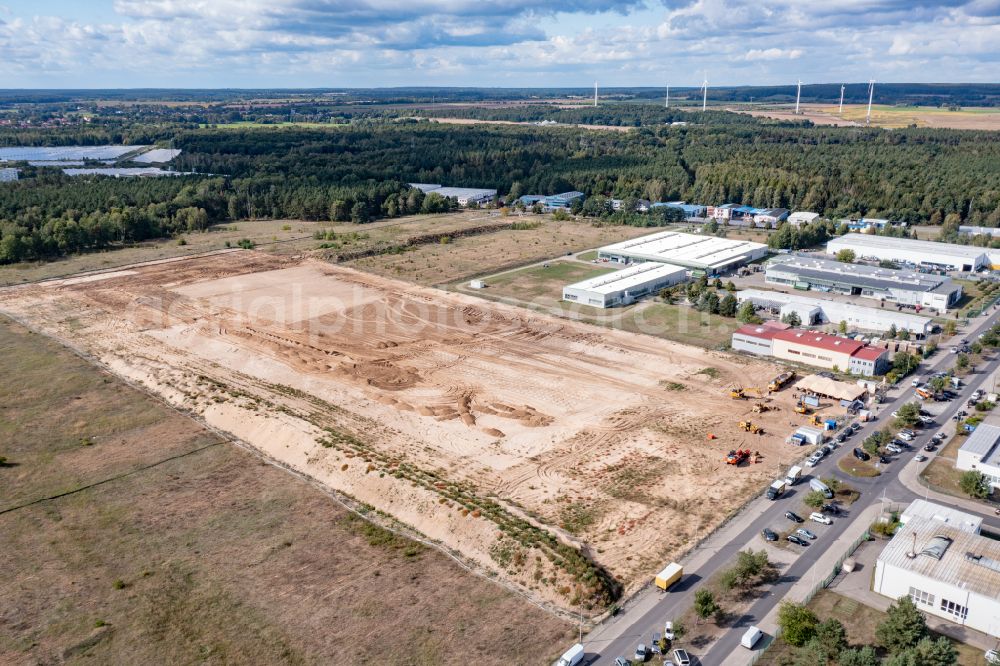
{"x": 194, "y": 551}
{"x": 507, "y": 436}
{"x": 437, "y": 264}
{"x": 889, "y": 116}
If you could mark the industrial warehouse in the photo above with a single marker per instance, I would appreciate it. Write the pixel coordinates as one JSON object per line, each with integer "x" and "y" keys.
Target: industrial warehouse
{"x": 465, "y": 196}
{"x": 908, "y": 288}
{"x": 981, "y": 452}
{"x": 945, "y": 566}
{"x": 710, "y": 254}
{"x": 910, "y": 252}
{"x": 812, "y": 348}
{"x": 625, "y": 286}
{"x": 814, "y": 311}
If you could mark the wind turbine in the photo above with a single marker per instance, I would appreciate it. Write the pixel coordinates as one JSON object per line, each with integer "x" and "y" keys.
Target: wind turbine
{"x": 668, "y": 97}
{"x": 704, "y": 93}
{"x": 871, "y": 94}
{"x": 841, "y": 112}
{"x": 798, "y": 96}
{"x": 595, "y": 93}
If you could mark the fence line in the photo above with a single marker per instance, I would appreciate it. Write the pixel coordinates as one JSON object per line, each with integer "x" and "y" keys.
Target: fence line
{"x": 822, "y": 584}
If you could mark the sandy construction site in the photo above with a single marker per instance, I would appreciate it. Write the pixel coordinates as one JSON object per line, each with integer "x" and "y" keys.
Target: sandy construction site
{"x": 572, "y": 461}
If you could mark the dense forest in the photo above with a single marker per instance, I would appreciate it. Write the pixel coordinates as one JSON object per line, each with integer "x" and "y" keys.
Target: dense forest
{"x": 358, "y": 172}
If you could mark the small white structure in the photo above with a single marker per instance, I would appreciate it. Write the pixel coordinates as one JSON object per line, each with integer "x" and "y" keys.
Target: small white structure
{"x": 947, "y": 570}
{"x": 477, "y": 284}
{"x": 910, "y": 252}
{"x": 981, "y": 452}
{"x": 707, "y": 253}
{"x": 812, "y": 311}
{"x": 8, "y": 175}
{"x": 625, "y": 286}
{"x": 798, "y": 218}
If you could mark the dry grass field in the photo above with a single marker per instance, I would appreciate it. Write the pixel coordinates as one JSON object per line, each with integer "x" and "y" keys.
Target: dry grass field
{"x": 890, "y": 116}
{"x": 437, "y": 264}
{"x": 548, "y": 452}
{"x": 171, "y": 545}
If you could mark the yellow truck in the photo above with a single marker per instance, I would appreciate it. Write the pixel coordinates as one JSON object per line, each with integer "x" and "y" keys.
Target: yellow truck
{"x": 670, "y": 575}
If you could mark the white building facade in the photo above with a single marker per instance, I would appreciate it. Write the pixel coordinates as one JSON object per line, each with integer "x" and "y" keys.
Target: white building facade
{"x": 947, "y": 570}
{"x": 981, "y": 452}
{"x": 625, "y": 286}
{"x": 910, "y": 252}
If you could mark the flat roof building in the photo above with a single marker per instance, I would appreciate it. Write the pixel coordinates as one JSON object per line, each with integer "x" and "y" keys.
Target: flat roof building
{"x": 463, "y": 195}
{"x": 553, "y": 201}
{"x": 981, "y": 452}
{"x": 947, "y": 570}
{"x": 967, "y": 522}
{"x": 707, "y": 253}
{"x": 911, "y": 252}
{"x": 813, "y": 311}
{"x": 800, "y": 217}
{"x": 979, "y": 231}
{"x": 813, "y": 348}
{"x": 625, "y": 286}
{"x": 909, "y": 288}
{"x": 690, "y": 210}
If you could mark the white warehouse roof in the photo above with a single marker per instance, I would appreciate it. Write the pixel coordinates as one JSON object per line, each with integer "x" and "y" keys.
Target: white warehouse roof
{"x": 835, "y": 311}
{"x": 693, "y": 251}
{"x": 628, "y": 278}
{"x": 907, "y": 249}
{"x": 967, "y": 522}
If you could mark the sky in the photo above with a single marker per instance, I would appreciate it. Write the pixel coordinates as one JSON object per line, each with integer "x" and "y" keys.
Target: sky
{"x": 501, "y": 43}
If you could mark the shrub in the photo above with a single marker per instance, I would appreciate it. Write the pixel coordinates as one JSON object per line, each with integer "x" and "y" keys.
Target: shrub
{"x": 798, "y": 623}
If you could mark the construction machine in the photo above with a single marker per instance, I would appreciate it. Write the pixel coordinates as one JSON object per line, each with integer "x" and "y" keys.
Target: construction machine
{"x": 781, "y": 380}
{"x": 801, "y": 408}
{"x": 751, "y": 427}
{"x": 737, "y": 392}
{"x": 816, "y": 420}
{"x": 738, "y": 456}
{"x": 759, "y": 408}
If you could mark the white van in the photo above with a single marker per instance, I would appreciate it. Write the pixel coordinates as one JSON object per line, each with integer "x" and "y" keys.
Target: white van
{"x": 751, "y": 637}
{"x": 573, "y": 656}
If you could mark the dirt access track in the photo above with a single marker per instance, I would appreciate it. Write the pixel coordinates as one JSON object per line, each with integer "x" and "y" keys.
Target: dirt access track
{"x": 570, "y": 461}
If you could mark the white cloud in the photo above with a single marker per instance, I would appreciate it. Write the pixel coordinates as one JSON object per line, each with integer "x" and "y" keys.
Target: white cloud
{"x": 773, "y": 54}
{"x": 482, "y": 42}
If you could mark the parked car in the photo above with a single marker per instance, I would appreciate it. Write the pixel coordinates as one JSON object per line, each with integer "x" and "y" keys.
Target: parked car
{"x": 920, "y": 457}
{"x": 682, "y": 658}
{"x": 794, "y": 517}
{"x": 769, "y": 535}
{"x": 798, "y": 540}
{"x": 842, "y": 437}
{"x": 930, "y": 447}
{"x": 892, "y": 448}
{"x": 668, "y": 630}
{"x": 641, "y": 653}
{"x": 884, "y": 460}
{"x": 906, "y": 437}
{"x": 818, "y": 517}
{"x": 806, "y": 533}
{"x": 831, "y": 508}
{"x": 860, "y": 454}
{"x": 827, "y": 449}
{"x": 654, "y": 643}
{"x": 814, "y": 459}
{"x": 622, "y": 661}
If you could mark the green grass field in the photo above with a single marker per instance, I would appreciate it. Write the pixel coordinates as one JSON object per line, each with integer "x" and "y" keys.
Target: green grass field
{"x": 542, "y": 284}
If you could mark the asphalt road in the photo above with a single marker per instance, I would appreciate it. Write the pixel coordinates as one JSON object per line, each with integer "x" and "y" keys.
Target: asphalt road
{"x": 672, "y": 604}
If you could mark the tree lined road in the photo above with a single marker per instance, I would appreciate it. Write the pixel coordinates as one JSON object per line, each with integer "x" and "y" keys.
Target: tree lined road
{"x": 633, "y": 630}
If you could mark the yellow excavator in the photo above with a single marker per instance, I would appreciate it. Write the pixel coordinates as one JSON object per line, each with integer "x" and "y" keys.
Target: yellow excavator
{"x": 751, "y": 427}
{"x": 760, "y": 408}
{"x": 801, "y": 408}
{"x": 737, "y": 392}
